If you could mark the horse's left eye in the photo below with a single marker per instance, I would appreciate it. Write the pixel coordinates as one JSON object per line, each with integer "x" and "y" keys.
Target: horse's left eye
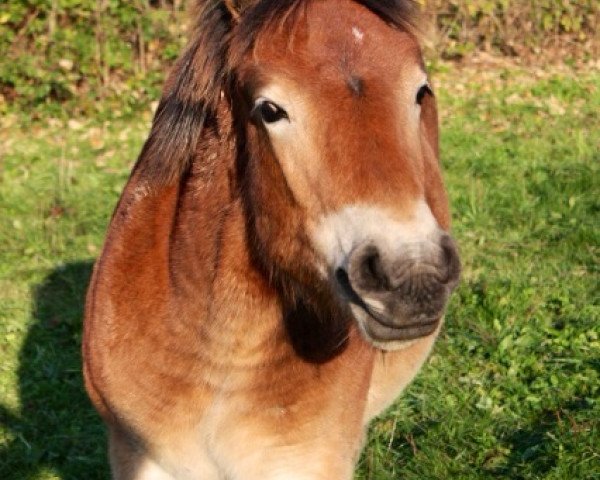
{"x": 269, "y": 112}
{"x": 423, "y": 92}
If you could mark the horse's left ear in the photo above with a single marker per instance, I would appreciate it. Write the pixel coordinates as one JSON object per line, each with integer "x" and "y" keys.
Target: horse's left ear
{"x": 190, "y": 96}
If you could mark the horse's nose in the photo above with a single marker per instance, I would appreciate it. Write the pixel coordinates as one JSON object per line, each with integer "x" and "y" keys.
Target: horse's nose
{"x": 371, "y": 269}
{"x": 404, "y": 288}
{"x": 450, "y": 260}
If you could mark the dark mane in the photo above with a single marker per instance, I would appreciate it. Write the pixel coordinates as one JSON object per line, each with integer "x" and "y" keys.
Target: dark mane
{"x": 205, "y": 69}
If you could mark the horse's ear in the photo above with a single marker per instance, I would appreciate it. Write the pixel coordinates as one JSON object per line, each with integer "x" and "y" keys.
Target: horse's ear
{"x": 190, "y": 96}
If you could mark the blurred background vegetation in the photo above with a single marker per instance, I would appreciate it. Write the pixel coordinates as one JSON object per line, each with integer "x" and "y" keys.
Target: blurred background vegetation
{"x": 83, "y": 57}
{"x": 530, "y": 30}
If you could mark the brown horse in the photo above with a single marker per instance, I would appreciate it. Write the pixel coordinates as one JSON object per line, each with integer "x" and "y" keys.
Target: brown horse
{"x": 278, "y": 266}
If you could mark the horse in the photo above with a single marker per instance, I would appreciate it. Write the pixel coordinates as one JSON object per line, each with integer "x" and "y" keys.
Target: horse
{"x": 279, "y": 263}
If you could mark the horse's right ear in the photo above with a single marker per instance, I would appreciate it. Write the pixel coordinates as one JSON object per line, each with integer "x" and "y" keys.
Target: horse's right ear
{"x": 190, "y": 96}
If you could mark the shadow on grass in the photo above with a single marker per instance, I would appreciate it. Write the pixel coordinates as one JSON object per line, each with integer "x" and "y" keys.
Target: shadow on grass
{"x": 57, "y": 430}
{"x": 534, "y": 445}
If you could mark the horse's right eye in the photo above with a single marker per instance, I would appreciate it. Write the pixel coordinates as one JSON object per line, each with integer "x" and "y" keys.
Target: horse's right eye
{"x": 423, "y": 92}
{"x": 269, "y": 112}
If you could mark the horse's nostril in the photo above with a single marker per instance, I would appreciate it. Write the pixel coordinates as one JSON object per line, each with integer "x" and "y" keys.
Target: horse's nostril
{"x": 342, "y": 277}
{"x": 373, "y": 269}
{"x": 451, "y": 259}
{"x": 346, "y": 287}
{"x": 367, "y": 271}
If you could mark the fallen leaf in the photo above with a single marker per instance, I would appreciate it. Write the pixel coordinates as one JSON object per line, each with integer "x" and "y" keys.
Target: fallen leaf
{"x": 66, "y": 64}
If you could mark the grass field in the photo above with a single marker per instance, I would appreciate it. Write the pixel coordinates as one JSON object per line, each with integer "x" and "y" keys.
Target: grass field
{"x": 512, "y": 388}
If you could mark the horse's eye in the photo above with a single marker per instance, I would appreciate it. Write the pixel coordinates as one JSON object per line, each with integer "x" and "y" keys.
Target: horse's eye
{"x": 269, "y": 112}
{"x": 423, "y": 92}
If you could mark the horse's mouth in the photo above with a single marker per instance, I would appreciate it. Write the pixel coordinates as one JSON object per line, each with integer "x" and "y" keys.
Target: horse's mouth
{"x": 379, "y": 332}
{"x": 380, "y": 329}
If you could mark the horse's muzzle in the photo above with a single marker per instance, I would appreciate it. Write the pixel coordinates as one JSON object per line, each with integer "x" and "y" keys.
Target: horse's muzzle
{"x": 401, "y": 295}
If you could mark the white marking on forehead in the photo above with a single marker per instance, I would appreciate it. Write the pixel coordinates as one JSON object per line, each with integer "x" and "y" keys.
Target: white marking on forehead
{"x": 336, "y": 235}
{"x": 141, "y": 191}
{"x": 358, "y": 34}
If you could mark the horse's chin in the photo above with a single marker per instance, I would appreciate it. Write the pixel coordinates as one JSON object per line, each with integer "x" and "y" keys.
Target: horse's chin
{"x": 385, "y": 337}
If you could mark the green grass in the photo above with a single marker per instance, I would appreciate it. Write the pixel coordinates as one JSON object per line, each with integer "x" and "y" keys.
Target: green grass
{"x": 511, "y": 390}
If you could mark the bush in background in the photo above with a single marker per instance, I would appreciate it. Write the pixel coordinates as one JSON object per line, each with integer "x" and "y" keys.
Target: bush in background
{"x": 89, "y": 50}
{"x": 84, "y": 56}
{"x": 521, "y": 28}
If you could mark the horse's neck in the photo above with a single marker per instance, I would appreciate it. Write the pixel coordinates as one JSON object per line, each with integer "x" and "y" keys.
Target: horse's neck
{"x": 210, "y": 258}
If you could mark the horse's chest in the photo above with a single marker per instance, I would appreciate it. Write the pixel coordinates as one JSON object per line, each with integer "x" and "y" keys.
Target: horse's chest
{"x": 300, "y": 417}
